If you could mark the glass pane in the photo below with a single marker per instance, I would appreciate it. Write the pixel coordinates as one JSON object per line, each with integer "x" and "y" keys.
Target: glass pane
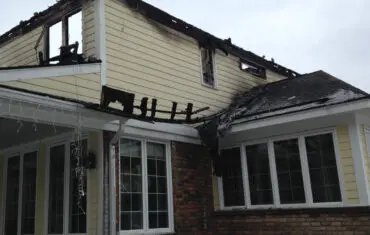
{"x": 289, "y": 172}
{"x": 232, "y": 178}
{"x": 157, "y": 184}
{"x": 55, "y": 39}
{"x": 323, "y": 168}
{"x": 29, "y": 192}
{"x": 131, "y": 185}
{"x": 12, "y": 193}
{"x": 78, "y": 189}
{"x": 56, "y": 190}
{"x": 259, "y": 174}
{"x": 75, "y": 30}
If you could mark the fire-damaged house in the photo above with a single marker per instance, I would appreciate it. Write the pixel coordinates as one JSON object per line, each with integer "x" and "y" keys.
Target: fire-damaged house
{"x": 118, "y": 118}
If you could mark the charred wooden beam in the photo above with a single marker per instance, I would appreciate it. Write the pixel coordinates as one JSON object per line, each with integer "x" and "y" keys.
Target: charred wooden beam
{"x": 144, "y": 106}
{"x": 189, "y": 111}
{"x": 154, "y": 106}
{"x": 109, "y": 95}
{"x": 200, "y": 110}
{"x": 173, "y": 111}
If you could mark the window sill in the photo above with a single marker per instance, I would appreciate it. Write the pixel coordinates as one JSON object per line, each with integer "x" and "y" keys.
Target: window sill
{"x": 153, "y": 231}
{"x": 350, "y": 209}
{"x": 209, "y": 86}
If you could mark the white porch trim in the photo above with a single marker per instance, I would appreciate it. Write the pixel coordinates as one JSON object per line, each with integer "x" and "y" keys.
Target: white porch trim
{"x": 245, "y": 124}
{"x": 48, "y": 71}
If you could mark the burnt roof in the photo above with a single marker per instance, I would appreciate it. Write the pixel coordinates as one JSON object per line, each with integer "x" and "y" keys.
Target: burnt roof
{"x": 308, "y": 91}
{"x": 155, "y": 14}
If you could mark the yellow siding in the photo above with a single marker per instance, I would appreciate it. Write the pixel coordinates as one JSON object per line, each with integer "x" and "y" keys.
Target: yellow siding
{"x": 216, "y": 196}
{"x": 92, "y": 188}
{"x": 21, "y": 50}
{"x": 151, "y": 60}
{"x": 1, "y": 182}
{"x": 40, "y": 191}
{"x": 365, "y": 151}
{"x": 84, "y": 87}
{"x": 88, "y": 28}
{"x": 345, "y": 152}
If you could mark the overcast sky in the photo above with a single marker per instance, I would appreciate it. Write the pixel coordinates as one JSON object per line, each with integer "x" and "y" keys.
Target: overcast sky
{"x": 332, "y": 35}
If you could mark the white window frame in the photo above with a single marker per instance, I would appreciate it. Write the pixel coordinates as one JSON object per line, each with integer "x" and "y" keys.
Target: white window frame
{"x": 67, "y": 165}
{"x": 215, "y": 86}
{"x": 146, "y": 229}
{"x": 13, "y": 152}
{"x": 274, "y": 182}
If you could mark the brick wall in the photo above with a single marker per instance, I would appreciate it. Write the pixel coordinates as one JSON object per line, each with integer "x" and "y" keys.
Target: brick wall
{"x": 192, "y": 188}
{"x": 194, "y": 212}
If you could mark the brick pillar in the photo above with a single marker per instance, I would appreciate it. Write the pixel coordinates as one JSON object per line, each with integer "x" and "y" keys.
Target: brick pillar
{"x": 192, "y": 188}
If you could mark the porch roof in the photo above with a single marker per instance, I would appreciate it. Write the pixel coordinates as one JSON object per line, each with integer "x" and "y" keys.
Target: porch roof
{"x": 309, "y": 91}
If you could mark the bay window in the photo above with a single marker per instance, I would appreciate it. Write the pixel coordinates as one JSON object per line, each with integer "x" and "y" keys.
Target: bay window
{"x": 145, "y": 195}
{"x": 299, "y": 171}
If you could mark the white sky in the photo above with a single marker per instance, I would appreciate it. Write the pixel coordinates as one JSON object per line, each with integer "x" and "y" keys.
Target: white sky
{"x": 332, "y": 35}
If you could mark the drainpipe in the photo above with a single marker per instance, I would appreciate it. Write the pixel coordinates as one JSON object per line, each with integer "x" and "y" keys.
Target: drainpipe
{"x": 112, "y": 177}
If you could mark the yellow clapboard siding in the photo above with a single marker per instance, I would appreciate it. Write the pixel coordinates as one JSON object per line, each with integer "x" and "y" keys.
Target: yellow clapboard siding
{"x": 2, "y": 167}
{"x": 347, "y": 164}
{"x": 216, "y": 196}
{"x": 81, "y": 87}
{"x": 155, "y": 61}
{"x": 20, "y": 51}
{"x": 365, "y": 151}
{"x": 88, "y": 29}
{"x": 165, "y": 84}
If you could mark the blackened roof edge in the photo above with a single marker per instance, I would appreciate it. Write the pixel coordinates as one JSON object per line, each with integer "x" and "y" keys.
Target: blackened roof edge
{"x": 161, "y": 17}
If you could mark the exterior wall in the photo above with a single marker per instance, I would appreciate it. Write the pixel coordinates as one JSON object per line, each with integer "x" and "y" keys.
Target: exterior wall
{"x": 345, "y": 152}
{"x": 84, "y": 87}
{"x": 194, "y": 213}
{"x": 365, "y": 150}
{"x": 192, "y": 188}
{"x": 152, "y": 60}
{"x": 20, "y": 51}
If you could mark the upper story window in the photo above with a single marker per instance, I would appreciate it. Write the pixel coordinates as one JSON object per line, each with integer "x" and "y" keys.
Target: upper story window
{"x": 66, "y": 31}
{"x": 208, "y": 76}
{"x": 252, "y": 68}
{"x": 298, "y": 171}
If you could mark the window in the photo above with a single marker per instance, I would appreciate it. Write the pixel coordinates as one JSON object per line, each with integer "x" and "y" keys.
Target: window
{"x": 208, "y": 77}
{"x": 281, "y": 173}
{"x": 21, "y": 194}
{"x": 144, "y": 186}
{"x": 64, "y": 204}
{"x": 252, "y": 68}
{"x": 232, "y": 181}
{"x": 259, "y": 174}
{"x": 66, "y": 31}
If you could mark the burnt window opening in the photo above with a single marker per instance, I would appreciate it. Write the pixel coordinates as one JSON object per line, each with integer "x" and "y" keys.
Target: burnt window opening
{"x": 252, "y": 68}
{"x": 208, "y": 77}
{"x": 64, "y": 38}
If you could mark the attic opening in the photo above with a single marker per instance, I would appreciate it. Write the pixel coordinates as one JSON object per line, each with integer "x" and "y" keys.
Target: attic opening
{"x": 252, "y": 68}
{"x": 63, "y": 42}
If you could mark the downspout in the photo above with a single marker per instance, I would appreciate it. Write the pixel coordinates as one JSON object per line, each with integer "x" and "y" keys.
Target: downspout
{"x": 112, "y": 178}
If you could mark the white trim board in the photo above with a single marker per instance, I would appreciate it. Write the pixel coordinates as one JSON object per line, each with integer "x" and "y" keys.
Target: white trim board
{"x": 242, "y": 125}
{"x": 18, "y": 74}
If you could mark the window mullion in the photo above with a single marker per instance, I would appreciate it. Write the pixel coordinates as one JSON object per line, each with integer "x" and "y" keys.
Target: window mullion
{"x": 67, "y": 167}
{"x": 20, "y": 189}
{"x": 274, "y": 180}
{"x": 245, "y": 177}
{"x": 305, "y": 170}
{"x": 145, "y": 186}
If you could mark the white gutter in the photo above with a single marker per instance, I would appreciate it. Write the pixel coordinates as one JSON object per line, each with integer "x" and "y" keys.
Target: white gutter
{"x": 18, "y": 74}
{"x": 245, "y": 124}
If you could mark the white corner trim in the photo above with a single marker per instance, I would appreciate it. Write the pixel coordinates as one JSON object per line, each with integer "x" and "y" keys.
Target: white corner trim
{"x": 244, "y": 124}
{"x": 359, "y": 163}
{"x": 19, "y": 74}
{"x": 100, "y": 36}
